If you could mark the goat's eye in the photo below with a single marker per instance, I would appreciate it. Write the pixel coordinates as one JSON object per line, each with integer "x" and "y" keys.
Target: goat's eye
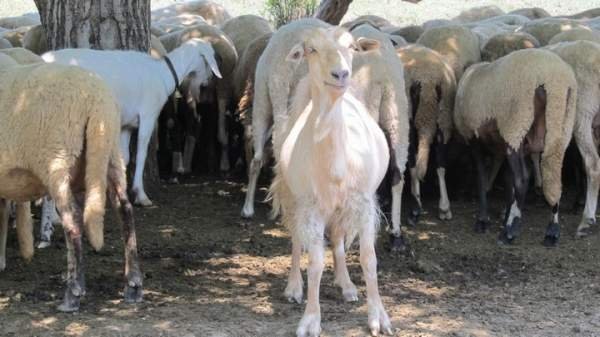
{"x": 311, "y": 50}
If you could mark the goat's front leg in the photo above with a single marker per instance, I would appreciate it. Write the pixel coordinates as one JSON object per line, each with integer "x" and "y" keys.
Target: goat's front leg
{"x": 117, "y": 187}
{"x": 441, "y": 153}
{"x": 310, "y": 324}
{"x": 144, "y": 135}
{"x": 342, "y": 277}
{"x": 294, "y": 289}
{"x": 378, "y": 318}
{"x": 4, "y": 213}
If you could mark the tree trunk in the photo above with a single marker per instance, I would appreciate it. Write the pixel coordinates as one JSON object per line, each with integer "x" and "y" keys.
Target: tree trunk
{"x": 101, "y": 24}
{"x": 332, "y": 11}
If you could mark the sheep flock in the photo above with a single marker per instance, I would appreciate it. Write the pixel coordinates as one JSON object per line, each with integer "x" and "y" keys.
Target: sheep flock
{"x": 344, "y": 118}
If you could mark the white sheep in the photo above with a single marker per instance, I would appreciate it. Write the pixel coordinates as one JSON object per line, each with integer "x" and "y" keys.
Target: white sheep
{"x": 431, "y": 87}
{"x": 332, "y": 160}
{"x": 142, "y": 85}
{"x": 532, "y": 12}
{"x": 503, "y": 44}
{"x": 521, "y": 103}
{"x": 4, "y": 43}
{"x": 275, "y": 81}
{"x": 477, "y": 14}
{"x": 457, "y": 43}
{"x": 576, "y": 34}
{"x": 584, "y": 58}
{"x": 213, "y": 13}
{"x": 63, "y": 140}
{"x": 21, "y": 55}
{"x": 544, "y": 29}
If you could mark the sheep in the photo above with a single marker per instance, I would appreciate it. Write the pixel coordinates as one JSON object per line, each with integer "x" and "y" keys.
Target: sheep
{"x": 63, "y": 140}
{"x": 24, "y": 228}
{"x": 332, "y": 159}
{"x": 437, "y": 23}
{"x": 576, "y": 34}
{"x": 35, "y": 40}
{"x": 22, "y": 55}
{"x": 228, "y": 56}
{"x": 486, "y": 32}
{"x": 213, "y": 13}
{"x": 373, "y": 20}
{"x": 16, "y": 36}
{"x": 477, "y": 14}
{"x": 458, "y": 44}
{"x": 544, "y": 29}
{"x": 587, "y": 14}
{"x": 4, "y": 43}
{"x": 245, "y": 28}
{"x": 378, "y": 82}
{"x": 532, "y": 13}
{"x": 507, "y": 19}
{"x": 409, "y": 33}
{"x": 275, "y": 80}
{"x": 243, "y": 88}
{"x": 142, "y": 85}
{"x": 584, "y": 58}
{"x": 521, "y": 103}
{"x": 504, "y": 44}
{"x": 157, "y": 50}
{"x": 431, "y": 87}
{"x": 15, "y": 22}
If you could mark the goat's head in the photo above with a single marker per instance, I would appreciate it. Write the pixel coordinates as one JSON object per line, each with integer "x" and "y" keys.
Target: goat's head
{"x": 329, "y": 55}
{"x": 207, "y": 65}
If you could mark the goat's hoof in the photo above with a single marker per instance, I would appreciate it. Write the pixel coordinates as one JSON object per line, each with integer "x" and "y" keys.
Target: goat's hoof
{"x": 481, "y": 226}
{"x": 247, "y": 212}
{"x": 379, "y": 322}
{"x": 310, "y": 326}
{"x": 133, "y": 294}
{"x": 70, "y": 302}
{"x": 399, "y": 245}
{"x": 293, "y": 294}
{"x": 143, "y": 202}
{"x": 350, "y": 293}
{"x": 445, "y": 214}
{"x": 585, "y": 228}
{"x": 413, "y": 218}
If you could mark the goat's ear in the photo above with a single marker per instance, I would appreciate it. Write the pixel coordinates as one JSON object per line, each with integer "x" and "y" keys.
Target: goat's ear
{"x": 212, "y": 63}
{"x": 365, "y": 44}
{"x": 296, "y": 53}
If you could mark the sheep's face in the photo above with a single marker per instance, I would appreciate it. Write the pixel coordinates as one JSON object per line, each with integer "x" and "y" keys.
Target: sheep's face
{"x": 329, "y": 56}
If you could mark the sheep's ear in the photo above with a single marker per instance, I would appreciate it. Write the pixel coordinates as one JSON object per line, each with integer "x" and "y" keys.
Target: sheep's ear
{"x": 212, "y": 63}
{"x": 296, "y": 53}
{"x": 365, "y": 44}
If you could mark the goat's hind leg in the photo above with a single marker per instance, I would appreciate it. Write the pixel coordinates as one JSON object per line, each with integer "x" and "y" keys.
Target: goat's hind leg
{"x": 117, "y": 192}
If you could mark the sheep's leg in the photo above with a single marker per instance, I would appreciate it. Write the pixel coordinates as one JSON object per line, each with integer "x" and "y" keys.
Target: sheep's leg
{"x": 378, "y": 318}
{"x": 518, "y": 170}
{"x": 483, "y": 219}
{"x": 342, "y": 278}
{"x": 4, "y": 212}
{"x": 144, "y": 134}
{"x": 25, "y": 230}
{"x": 310, "y": 324}
{"x": 580, "y": 177}
{"x": 591, "y": 161}
{"x": 294, "y": 289}
{"x": 398, "y": 241}
{"x": 117, "y": 187}
{"x": 537, "y": 172}
{"x": 72, "y": 219}
{"x": 223, "y": 134}
{"x": 497, "y": 162}
{"x": 440, "y": 155}
{"x": 193, "y": 123}
{"x": 415, "y": 186}
{"x": 49, "y": 219}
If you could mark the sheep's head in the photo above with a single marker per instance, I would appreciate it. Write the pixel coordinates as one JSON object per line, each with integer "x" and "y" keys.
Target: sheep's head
{"x": 329, "y": 55}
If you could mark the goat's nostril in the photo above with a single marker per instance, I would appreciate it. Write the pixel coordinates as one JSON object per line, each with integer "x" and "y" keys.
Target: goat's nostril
{"x": 344, "y": 74}
{"x": 335, "y": 75}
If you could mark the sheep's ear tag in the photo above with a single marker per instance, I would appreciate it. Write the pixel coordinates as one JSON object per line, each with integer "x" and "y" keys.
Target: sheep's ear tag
{"x": 296, "y": 54}
{"x": 367, "y": 44}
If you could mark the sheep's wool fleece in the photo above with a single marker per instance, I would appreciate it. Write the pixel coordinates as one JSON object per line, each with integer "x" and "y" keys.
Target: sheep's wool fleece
{"x": 504, "y": 91}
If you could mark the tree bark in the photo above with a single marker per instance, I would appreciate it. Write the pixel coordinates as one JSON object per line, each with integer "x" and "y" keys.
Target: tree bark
{"x": 101, "y": 24}
{"x": 332, "y": 11}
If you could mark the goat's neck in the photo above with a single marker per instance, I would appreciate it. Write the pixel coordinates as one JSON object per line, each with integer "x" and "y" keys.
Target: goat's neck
{"x": 185, "y": 59}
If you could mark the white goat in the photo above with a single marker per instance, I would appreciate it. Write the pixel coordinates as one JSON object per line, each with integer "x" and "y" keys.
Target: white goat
{"x": 142, "y": 85}
{"x": 333, "y": 158}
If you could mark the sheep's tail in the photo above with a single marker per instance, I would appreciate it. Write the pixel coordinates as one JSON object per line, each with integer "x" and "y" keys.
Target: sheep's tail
{"x": 101, "y": 136}
{"x": 426, "y": 124}
{"x": 560, "y": 112}
{"x": 25, "y": 230}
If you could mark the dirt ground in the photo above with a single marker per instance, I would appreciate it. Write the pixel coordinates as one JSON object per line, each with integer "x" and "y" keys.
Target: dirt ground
{"x": 209, "y": 273}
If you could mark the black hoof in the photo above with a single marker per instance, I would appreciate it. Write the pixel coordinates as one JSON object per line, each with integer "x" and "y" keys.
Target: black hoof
{"x": 399, "y": 245}
{"x": 514, "y": 229}
{"x": 552, "y": 235}
{"x": 413, "y": 218}
{"x": 504, "y": 239}
{"x": 481, "y": 226}
{"x": 133, "y": 294}
{"x": 71, "y": 302}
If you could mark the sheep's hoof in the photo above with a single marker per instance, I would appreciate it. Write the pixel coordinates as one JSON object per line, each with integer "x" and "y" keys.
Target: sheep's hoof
{"x": 71, "y": 301}
{"x": 445, "y": 214}
{"x": 399, "y": 244}
{"x": 510, "y": 233}
{"x": 481, "y": 226}
{"x": 585, "y": 228}
{"x": 413, "y": 217}
{"x": 2, "y": 264}
{"x": 43, "y": 244}
{"x": 133, "y": 294}
{"x": 224, "y": 165}
{"x": 143, "y": 202}
{"x": 552, "y": 235}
